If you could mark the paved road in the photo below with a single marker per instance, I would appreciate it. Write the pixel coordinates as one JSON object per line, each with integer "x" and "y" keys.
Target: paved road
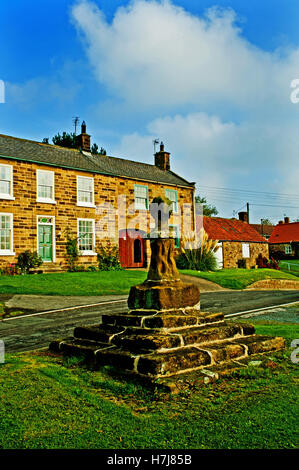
{"x": 33, "y": 332}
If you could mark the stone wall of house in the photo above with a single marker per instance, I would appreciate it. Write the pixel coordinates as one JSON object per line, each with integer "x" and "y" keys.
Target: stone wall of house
{"x": 65, "y": 211}
{"x": 232, "y": 253}
{"x": 278, "y": 251}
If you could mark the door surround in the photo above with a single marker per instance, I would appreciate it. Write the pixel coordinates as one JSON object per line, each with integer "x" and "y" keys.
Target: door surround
{"x": 49, "y": 222}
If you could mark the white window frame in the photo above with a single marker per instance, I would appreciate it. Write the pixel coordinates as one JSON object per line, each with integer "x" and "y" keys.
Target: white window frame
{"x": 288, "y": 249}
{"x": 11, "y": 251}
{"x": 176, "y": 227}
{"x": 87, "y": 252}
{"x": 45, "y": 200}
{"x": 82, "y": 203}
{"x": 245, "y": 250}
{"x": 9, "y": 196}
{"x": 137, "y": 207}
{"x": 53, "y": 234}
{"x": 175, "y": 209}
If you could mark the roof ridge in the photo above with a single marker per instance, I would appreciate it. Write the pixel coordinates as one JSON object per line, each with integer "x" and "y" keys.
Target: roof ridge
{"x": 39, "y": 143}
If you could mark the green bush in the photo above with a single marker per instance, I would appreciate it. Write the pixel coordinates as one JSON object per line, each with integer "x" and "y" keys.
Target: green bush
{"x": 197, "y": 260}
{"x": 72, "y": 251}
{"x": 108, "y": 258}
{"x": 28, "y": 260}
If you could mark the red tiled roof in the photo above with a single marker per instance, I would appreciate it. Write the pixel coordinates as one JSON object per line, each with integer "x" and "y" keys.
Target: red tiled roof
{"x": 285, "y": 233}
{"x": 221, "y": 229}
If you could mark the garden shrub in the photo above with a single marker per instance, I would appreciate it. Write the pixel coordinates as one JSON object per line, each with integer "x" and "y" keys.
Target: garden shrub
{"x": 108, "y": 258}
{"x": 72, "y": 251}
{"x": 28, "y": 260}
{"x": 201, "y": 258}
{"x": 197, "y": 260}
{"x": 263, "y": 262}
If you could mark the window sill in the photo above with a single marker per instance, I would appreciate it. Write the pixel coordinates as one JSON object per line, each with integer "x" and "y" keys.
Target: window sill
{"x": 7, "y": 253}
{"x": 87, "y": 253}
{"x": 7, "y": 197}
{"x": 46, "y": 201}
{"x": 82, "y": 204}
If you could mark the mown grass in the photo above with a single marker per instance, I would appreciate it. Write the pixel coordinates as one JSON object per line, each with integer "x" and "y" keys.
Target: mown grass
{"x": 239, "y": 278}
{"x": 47, "y": 402}
{"x": 82, "y": 283}
{"x": 293, "y": 265}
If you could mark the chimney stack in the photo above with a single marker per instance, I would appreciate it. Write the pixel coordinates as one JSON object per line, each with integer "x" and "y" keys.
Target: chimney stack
{"x": 287, "y": 220}
{"x": 243, "y": 216}
{"x": 162, "y": 159}
{"x": 83, "y": 140}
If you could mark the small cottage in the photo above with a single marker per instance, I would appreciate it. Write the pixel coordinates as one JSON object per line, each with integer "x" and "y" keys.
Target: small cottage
{"x": 284, "y": 240}
{"x": 239, "y": 243}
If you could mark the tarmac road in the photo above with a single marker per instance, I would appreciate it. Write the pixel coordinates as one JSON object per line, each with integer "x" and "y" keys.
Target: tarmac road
{"x": 34, "y": 332}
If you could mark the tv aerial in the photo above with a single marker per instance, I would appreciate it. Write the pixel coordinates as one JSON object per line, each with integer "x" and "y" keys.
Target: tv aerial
{"x": 155, "y": 142}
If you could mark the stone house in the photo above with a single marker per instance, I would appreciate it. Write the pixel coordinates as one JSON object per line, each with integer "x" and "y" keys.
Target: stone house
{"x": 284, "y": 240}
{"x": 46, "y": 190}
{"x": 239, "y": 243}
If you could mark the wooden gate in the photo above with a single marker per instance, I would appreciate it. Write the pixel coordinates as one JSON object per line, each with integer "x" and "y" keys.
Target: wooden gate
{"x": 132, "y": 248}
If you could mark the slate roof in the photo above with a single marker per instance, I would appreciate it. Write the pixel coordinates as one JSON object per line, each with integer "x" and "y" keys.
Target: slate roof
{"x": 222, "y": 229}
{"x": 31, "y": 151}
{"x": 285, "y": 233}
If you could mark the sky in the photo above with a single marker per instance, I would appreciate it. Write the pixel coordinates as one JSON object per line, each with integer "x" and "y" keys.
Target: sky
{"x": 210, "y": 78}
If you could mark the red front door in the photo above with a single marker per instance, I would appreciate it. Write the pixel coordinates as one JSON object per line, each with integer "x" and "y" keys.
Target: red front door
{"x": 131, "y": 249}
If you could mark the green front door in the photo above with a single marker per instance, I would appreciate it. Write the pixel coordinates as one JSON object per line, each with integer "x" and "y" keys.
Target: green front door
{"x": 45, "y": 242}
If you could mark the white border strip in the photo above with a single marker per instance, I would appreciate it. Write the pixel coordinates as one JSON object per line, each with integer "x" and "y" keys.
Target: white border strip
{"x": 65, "y": 309}
{"x": 263, "y": 309}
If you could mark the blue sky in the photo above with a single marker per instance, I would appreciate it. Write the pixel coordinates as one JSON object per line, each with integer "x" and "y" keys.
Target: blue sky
{"x": 209, "y": 78}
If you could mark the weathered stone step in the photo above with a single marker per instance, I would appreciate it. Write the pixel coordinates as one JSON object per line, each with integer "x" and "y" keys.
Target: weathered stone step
{"x": 167, "y": 363}
{"x": 192, "y": 358}
{"x": 101, "y": 333}
{"x": 78, "y": 347}
{"x": 258, "y": 344}
{"x": 135, "y": 339}
{"x": 169, "y": 321}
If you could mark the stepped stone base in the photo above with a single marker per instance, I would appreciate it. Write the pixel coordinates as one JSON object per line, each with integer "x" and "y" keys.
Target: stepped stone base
{"x": 165, "y": 336}
{"x": 158, "y": 346}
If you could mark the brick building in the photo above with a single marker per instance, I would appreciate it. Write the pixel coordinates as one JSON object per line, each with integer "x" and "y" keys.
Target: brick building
{"x": 284, "y": 240}
{"x": 46, "y": 189}
{"x": 239, "y": 242}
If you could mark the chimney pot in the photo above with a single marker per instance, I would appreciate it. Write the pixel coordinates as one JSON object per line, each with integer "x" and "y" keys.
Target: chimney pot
{"x": 280, "y": 222}
{"x": 83, "y": 140}
{"x": 243, "y": 216}
{"x": 162, "y": 159}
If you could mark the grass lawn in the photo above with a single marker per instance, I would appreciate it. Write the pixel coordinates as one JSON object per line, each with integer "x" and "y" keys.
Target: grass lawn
{"x": 239, "y": 278}
{"x": 91, "y": 283}
{"x": 48, "y": 402}
{"x": 290, "y": 266}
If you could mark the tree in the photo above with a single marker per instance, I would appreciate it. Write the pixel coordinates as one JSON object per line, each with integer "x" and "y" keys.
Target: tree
{"x": 208, "y": 210}
{"x": 95, "y": 150}
{"x": 266, "y": 222}
{"x": 68, "y": 140}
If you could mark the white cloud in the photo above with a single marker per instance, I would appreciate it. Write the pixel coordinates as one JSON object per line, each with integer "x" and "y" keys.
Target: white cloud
{"x": 155, "y": 53}
{"x": 221, "y": 105}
